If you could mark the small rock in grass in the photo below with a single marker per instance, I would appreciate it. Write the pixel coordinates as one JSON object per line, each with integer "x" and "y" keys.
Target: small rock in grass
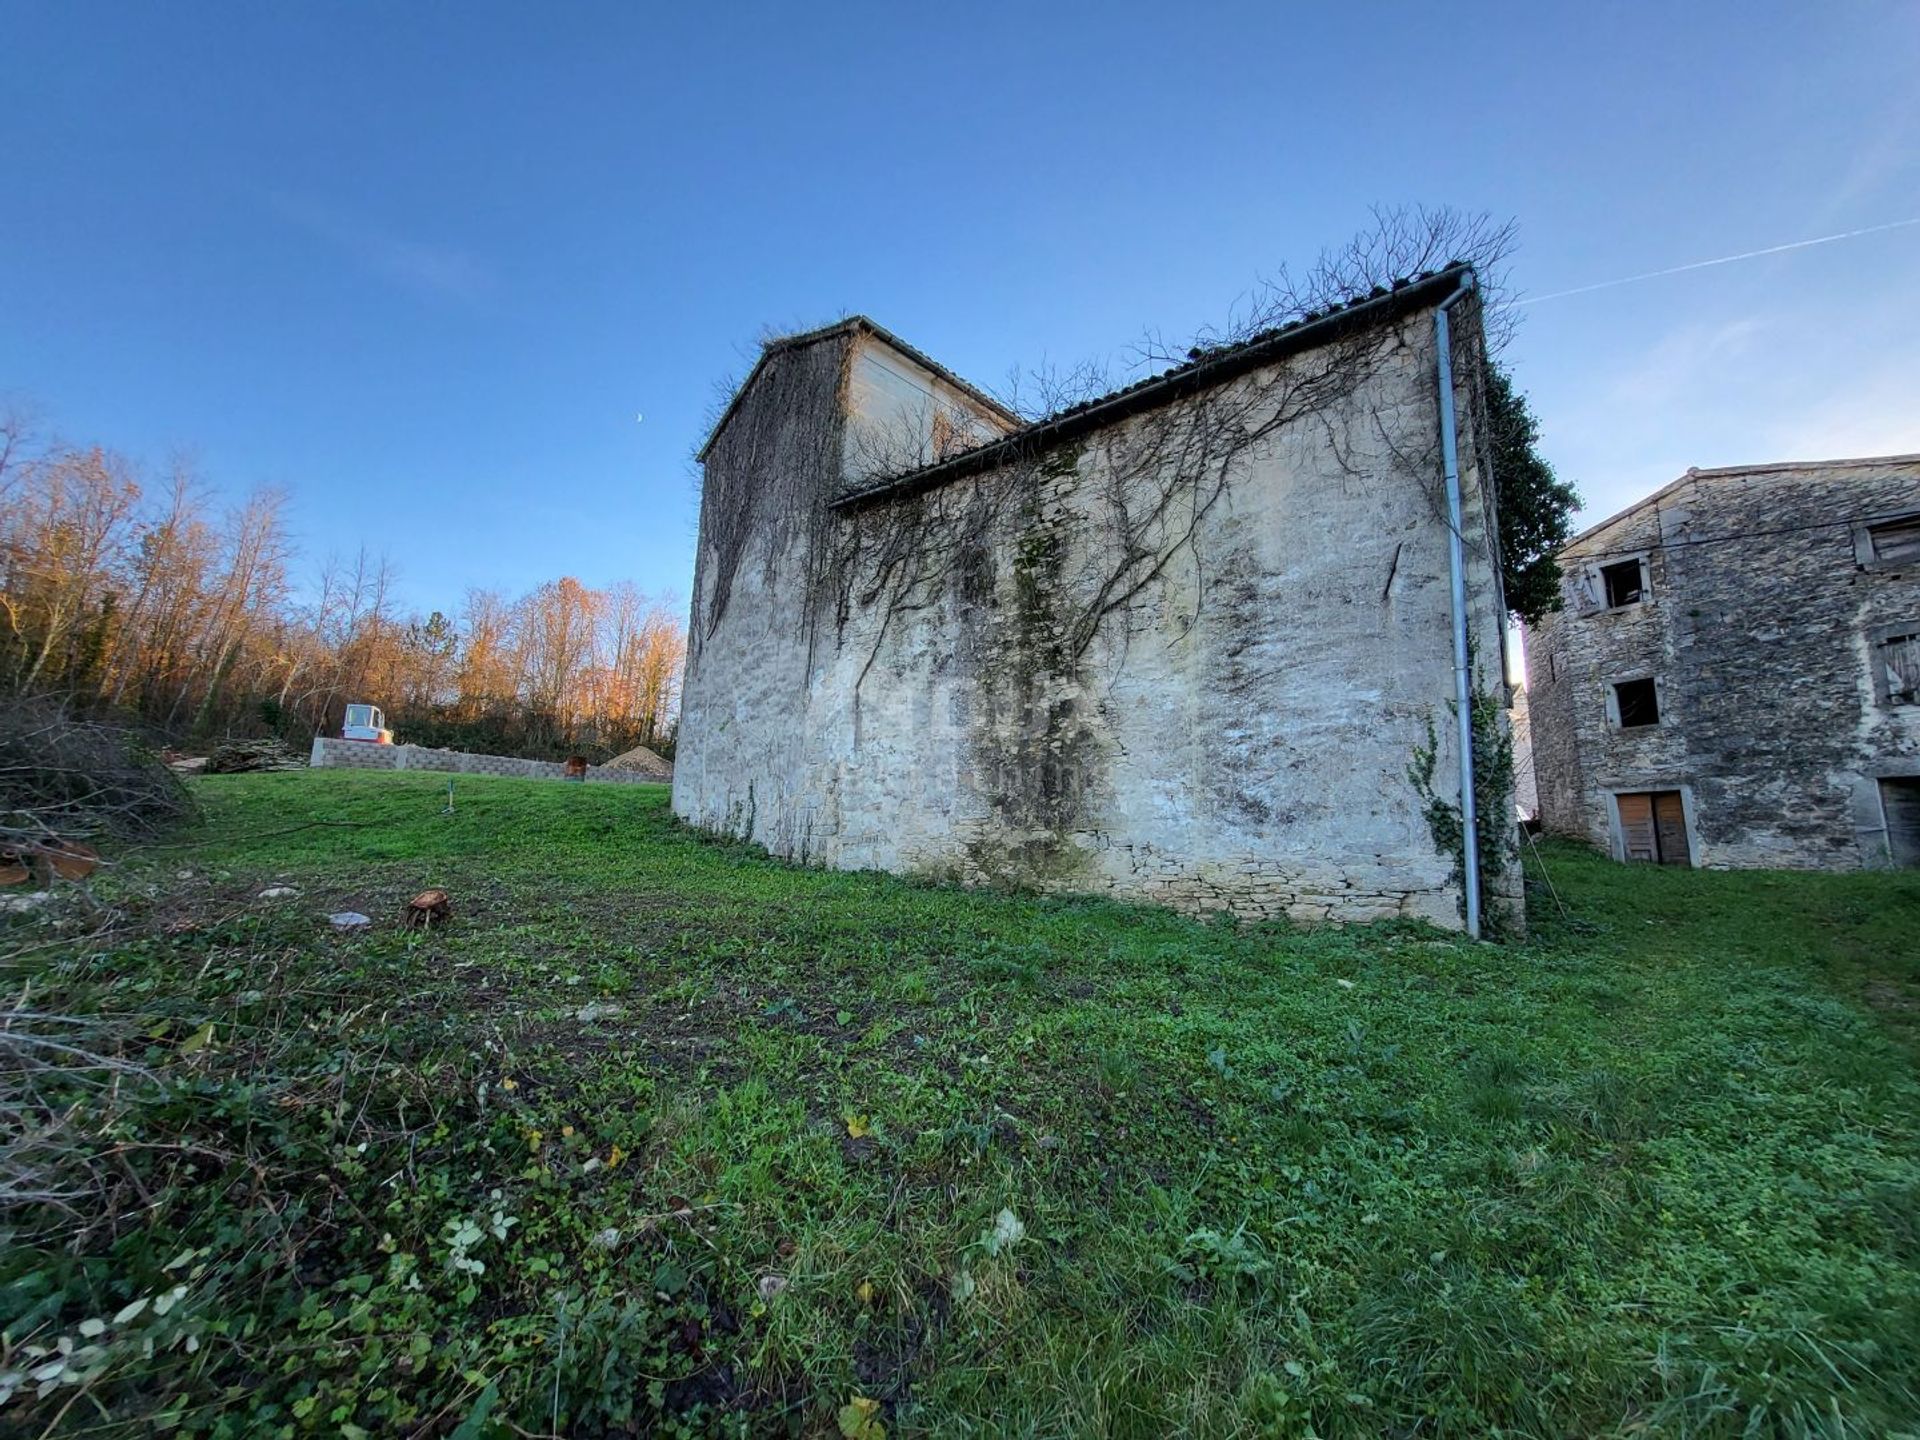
{"x": 771, "y": 1285}
{"x": 21, "y": 904}
{"x": 607, "y": 1239}
{"x": 1344, "y": 984}
{"x": 598, "y": 1010}
{"x": 279, "y": 892}
{"x": 349, "y": 920}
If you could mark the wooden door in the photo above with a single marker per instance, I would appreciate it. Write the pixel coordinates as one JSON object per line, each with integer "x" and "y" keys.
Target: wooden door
{"x": 1640, "y": 840}
{"x": 1653, "y": 827}
{"x": 1670, "y": 828}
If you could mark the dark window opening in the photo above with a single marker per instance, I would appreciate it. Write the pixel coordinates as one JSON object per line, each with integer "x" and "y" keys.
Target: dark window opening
{"x": 1653, "y": 828}
{"x": 1900, "y": 800}
{"x": 1638, "y": 703}
{"x": 1625, "y": 582}
{"x": 1900, "y": 666}
{"x": 1897, "y": 542}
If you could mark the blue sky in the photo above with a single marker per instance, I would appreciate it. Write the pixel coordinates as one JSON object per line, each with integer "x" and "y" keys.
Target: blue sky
{"x": 424, "y": 265}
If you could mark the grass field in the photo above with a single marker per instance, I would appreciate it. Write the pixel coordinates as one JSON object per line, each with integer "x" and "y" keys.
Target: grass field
{"x": 660, "y": 1136}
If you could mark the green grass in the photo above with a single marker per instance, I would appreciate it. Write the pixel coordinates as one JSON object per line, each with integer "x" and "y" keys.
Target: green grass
{"x": 738, "y": 1143}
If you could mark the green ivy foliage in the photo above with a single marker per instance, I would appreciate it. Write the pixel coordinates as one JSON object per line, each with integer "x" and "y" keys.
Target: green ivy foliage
{"x": 1493, "y": 807}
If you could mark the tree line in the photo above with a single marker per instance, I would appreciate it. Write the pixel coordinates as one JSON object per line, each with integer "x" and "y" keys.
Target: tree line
{"x": 134, "y": 592}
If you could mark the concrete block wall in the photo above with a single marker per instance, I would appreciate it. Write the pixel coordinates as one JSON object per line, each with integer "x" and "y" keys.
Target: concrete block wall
{"x": 330, "y": 752}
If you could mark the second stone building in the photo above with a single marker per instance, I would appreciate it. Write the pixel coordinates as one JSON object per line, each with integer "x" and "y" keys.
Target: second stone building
{"x": 1734, "y": 677}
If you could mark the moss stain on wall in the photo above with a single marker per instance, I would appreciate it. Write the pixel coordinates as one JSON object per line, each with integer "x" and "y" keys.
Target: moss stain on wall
{"x": 1031, "y": 736}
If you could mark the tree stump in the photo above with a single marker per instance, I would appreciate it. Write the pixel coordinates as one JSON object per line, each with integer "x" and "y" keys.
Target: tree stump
{"x": 427, "y": 909}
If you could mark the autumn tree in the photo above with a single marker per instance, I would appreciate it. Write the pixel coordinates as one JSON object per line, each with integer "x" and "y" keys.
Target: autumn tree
{"x": 68, "y": 521}
{"x": 152, "y": 601}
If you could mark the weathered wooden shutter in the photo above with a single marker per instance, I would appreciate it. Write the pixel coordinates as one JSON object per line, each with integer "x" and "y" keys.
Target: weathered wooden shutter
{"x": 1670, "y": 826}
{"x": 1586, "y": 590}
{"x": 1636, "y": 828}
{"x": 1897, "y": 543}
{"x": 1901, "y": 656}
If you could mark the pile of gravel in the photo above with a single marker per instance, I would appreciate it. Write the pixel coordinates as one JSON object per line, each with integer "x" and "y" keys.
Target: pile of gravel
{"x": 642, "y": 761}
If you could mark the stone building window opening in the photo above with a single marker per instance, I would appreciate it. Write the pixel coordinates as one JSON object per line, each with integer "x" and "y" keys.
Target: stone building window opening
{"x": 1653, "y": 827}
{"x": 1900, "y": 668}
{"x": 1896, "y": 542}
{"x": 1636, "y": 703}
{"x": 1900, "y": 808}
{"x": 1624, "y": 583}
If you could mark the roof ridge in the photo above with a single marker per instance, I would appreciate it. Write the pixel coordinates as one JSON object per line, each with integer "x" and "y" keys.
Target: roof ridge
{"x": 1199, "y": 358}
{"x": 850, "y": 325}
{"x": 1851, "y": 462}
{"x": 1723, "y": 472}
{"x": 1145, "y": 392}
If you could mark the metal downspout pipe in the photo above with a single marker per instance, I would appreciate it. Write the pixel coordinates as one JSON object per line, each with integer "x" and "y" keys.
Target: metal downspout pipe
{"x": 1457, "y": 567}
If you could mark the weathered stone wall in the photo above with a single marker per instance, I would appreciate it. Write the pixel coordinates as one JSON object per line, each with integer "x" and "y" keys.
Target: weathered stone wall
{"x": 1552, "y": 736}
{"x": 914, "y": 686}
{"x": 1757, "y": 631}
{"x": 333, "y": 752}
{"x": 1526, "y": 788}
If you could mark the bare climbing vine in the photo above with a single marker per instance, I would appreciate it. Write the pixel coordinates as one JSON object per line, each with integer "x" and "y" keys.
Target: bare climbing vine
{"x": 1042, "y": 550}
{"x": 762, "y": 474}
{"x": 1128, "y": 502}
{"x": 1145, "y": 487}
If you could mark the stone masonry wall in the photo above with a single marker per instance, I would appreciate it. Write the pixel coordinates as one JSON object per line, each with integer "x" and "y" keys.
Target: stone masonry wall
{"x": 1526, "y": 790}
{"x": 1237, "y": 735}
{"x": 1757, "y": 630}
{"x": 331, "y": 752}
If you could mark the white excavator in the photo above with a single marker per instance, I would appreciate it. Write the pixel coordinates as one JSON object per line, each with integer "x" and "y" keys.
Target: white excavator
{"x": 366, "y": 722}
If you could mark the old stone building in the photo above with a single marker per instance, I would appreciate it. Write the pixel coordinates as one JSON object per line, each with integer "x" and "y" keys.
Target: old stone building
{"x": 1190, "y": 643}
{"x": 1735, "y": 677}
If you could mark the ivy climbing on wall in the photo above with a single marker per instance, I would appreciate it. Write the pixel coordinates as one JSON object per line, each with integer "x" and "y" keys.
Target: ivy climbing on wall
{"x": 1493, "y": 808}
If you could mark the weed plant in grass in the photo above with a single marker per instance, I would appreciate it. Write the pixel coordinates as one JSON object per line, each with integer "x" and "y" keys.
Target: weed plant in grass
{"x": 660, "y": 1136}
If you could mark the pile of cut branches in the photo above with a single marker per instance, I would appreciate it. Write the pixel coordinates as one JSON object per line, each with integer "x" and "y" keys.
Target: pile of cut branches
{"x": 63, "y": 778}
{"x": 241, "y": 757}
